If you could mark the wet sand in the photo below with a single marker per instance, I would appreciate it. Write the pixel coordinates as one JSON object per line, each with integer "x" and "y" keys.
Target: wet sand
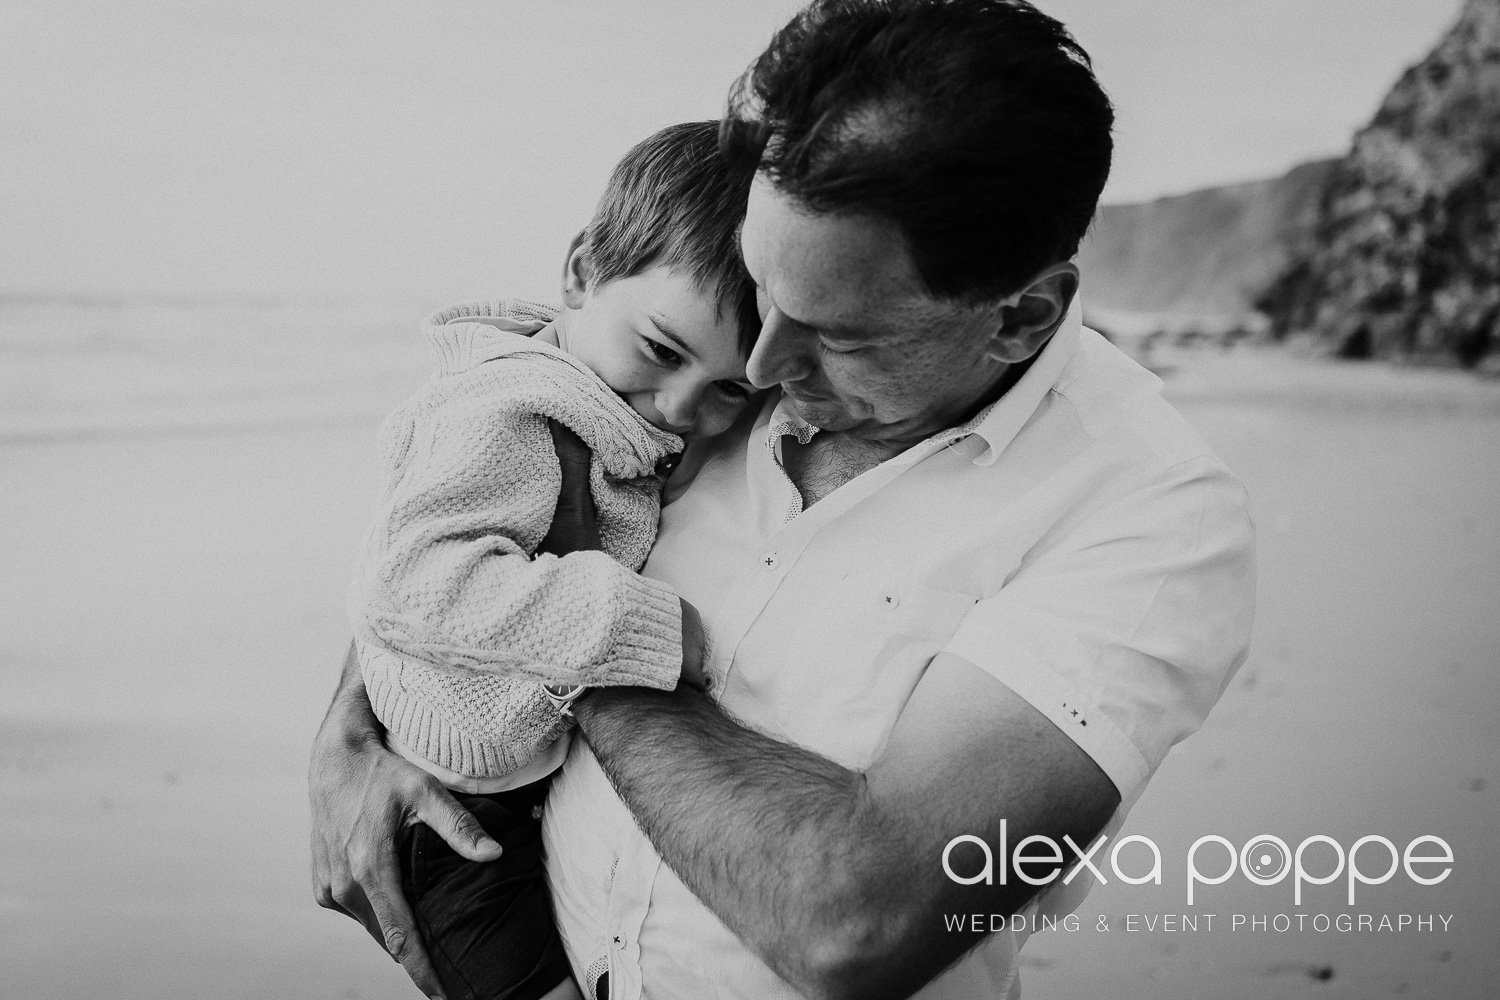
{"x": 171, "y": 624}
{"x": 1370, "y": 703}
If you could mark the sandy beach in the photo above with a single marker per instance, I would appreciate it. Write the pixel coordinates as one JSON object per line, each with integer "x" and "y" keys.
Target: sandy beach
{"x": 223, "y": 223}
{"x": 171, "y": 622}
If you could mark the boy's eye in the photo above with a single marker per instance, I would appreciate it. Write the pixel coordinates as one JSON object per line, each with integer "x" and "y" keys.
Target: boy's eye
{"x": 733, "y": 390}
{"x": 663, "y": 353}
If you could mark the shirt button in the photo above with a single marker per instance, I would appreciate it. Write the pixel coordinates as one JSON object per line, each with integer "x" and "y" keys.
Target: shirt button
{"x": 708, "y": 682}
{"x": 893, "y": 600}
{"x": 620, "y": 941}
{"x": 769, "y": 560}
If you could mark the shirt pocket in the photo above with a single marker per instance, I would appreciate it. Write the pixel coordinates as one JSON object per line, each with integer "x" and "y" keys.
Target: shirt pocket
{"x": 851, "y": 667}
{"x": 885, "y": 616}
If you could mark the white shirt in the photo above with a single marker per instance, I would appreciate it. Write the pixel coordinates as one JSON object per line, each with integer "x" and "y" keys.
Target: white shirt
{"x": 1077, "y": 541}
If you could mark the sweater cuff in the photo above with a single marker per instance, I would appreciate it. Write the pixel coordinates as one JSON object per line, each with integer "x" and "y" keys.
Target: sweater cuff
{"x": 647, "y": 645}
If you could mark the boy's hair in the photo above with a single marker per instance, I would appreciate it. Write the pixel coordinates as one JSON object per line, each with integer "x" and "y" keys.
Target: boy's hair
{"x": 976, "y": 126}
{"x": 674, "y": 200}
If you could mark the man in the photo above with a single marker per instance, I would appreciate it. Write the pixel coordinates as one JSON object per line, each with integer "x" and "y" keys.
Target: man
{"x": 967, "y": 573}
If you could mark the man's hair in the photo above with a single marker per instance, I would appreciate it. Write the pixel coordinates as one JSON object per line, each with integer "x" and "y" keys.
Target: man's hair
{"x": 675, "y": 200}
{"x": 976, "y": 126}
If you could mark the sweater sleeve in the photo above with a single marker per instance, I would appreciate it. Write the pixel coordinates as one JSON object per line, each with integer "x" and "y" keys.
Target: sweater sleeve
{"x": 447, "y": 575}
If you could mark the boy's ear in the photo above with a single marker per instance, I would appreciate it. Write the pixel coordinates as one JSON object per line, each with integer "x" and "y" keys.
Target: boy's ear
{"x": 576, "y": 272}
{"x": 1031, "y": 316}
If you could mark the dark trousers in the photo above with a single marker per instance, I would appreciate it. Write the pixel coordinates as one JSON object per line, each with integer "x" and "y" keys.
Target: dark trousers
{"x": 488, "y": 927}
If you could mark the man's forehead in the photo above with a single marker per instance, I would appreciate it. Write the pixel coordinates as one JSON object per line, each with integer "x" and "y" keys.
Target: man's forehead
{"x": 829, "y": 269}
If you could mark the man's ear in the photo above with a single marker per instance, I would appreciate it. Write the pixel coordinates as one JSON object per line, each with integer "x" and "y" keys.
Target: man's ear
{"x": 1032, "y": 315}
{"x": 577, "y": 272}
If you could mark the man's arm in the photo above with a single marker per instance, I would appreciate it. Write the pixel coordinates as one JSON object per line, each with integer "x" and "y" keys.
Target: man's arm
{"x": 362, "y": 797}
{"x": 832, "y": 876}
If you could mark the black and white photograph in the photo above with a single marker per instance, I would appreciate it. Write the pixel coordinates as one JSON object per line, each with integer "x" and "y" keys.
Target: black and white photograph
{"x": 670, "y": 500}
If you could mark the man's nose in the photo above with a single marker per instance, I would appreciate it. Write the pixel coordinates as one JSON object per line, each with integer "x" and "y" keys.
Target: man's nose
{"x": 780, "y": 354}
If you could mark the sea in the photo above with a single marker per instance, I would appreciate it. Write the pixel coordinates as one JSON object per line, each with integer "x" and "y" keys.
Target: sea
{"x": 215, "y": 214}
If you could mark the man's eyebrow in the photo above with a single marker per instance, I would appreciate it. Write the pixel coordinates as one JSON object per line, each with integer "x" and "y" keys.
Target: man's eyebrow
{"x": 833, "y": 329}
{"x": 840, "y": 330}
{"x": 665, "y": 328}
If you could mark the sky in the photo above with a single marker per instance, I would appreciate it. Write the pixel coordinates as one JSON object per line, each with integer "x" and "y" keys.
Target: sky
{"x": 447, "y": 149}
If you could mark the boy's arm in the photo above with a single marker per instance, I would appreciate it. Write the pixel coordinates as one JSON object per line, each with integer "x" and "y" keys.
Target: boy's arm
{"x": 447, "y": 576}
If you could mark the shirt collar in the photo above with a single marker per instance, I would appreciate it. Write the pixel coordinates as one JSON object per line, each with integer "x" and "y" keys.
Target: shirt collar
{"x": 997, "y": 424}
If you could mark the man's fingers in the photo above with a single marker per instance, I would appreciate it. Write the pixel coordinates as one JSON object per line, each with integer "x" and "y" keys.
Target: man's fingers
{"x": 322, "y": 883}
{"x": 357, "y": 906}
{"x": 330, "y": 879}
{"x": 457, "y": 826}
{"x": 397, "y": 931}
{"x": 575, "y": 524}
{"x": 323, "y": 895}
{"x": 572, "y": 453}
{"x": 333, "y": 888}
{"x": 574, "y": 458}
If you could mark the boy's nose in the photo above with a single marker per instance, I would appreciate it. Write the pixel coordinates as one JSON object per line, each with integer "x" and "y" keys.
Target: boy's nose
{"x": 780, "y": 353}
{"x": 678, "y": 407}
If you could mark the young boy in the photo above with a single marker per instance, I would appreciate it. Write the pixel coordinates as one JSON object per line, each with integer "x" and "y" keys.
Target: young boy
{"x": 458, "y": 621}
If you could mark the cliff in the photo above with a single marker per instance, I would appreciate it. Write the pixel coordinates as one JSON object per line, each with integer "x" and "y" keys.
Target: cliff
{"x": 1197, "y": 262}
{"x": 1392, "y": 251}
{"x": 1404, "y": 261}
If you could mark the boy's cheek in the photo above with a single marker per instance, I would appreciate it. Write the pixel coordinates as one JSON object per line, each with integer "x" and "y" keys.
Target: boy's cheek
{"x": 715, "y": 420}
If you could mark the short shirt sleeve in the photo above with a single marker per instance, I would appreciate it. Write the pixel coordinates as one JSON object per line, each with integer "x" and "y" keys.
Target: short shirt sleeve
{"x": 1125, "y": 631}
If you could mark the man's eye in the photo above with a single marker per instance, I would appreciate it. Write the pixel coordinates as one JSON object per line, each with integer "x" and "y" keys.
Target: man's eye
{"x": 837, "y": 347}
{"x": 663, "y": 353}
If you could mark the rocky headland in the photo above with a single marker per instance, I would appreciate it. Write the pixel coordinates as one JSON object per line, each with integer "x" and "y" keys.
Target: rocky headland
{"x": 1392, "y": 251}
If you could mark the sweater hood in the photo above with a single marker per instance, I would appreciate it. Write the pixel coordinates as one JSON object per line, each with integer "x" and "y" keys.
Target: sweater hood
{"x": 557, "y": 385}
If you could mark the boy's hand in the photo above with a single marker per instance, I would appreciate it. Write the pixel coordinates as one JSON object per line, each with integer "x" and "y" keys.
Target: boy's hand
{"x": 692, "y": 646}
{"x": 575, "y": 525}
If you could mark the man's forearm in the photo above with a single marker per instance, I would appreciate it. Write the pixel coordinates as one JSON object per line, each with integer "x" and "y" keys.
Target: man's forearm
{"x": 781, "y": 843}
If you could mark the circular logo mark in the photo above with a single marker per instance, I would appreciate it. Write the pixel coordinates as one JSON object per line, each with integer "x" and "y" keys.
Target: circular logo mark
{"x": 1266, "y": 859}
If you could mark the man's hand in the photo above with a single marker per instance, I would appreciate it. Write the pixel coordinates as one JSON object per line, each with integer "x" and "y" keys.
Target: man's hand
{"x": 575, "y": 525}
{"x": 362, "y": 797}
{"x": 693, "y": 646}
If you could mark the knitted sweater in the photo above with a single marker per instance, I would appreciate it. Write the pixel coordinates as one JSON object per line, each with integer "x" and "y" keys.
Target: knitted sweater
{"x": 455, "y": 622}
